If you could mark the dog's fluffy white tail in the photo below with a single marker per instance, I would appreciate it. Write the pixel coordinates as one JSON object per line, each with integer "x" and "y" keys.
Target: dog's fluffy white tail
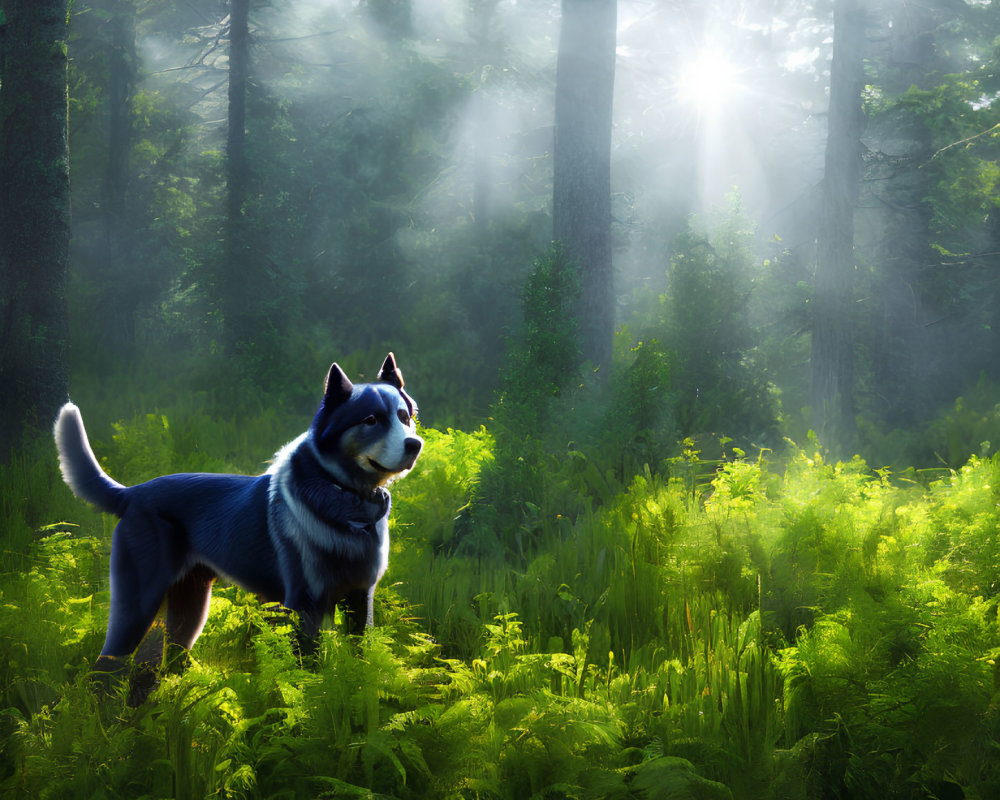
{"x": 79, "y": 465}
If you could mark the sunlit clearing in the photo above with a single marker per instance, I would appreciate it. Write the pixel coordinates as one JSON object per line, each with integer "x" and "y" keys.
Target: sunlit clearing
{"x": 707, "y": 83}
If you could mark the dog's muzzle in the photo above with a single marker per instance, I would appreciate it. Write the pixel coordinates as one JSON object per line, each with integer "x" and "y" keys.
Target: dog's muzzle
{"x": 411, "y": 449}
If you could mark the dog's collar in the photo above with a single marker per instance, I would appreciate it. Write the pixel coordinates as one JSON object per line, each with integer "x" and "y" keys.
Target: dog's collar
{"x": 331, "y": 501}
{"x": 366, "y": 509}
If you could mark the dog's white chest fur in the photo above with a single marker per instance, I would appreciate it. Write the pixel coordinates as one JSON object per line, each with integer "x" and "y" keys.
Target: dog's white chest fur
{"x": 318, "y": 540}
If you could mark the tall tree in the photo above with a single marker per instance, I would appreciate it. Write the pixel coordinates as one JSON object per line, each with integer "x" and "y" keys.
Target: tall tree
{"x": 581, "y": 181}
{"x": 239, "y": 58}
{"x": 121, "y": 81}
{"x": 395, "y": 17}
{"x": 34, "y": 221}
{"x": 235, "y": 290}
{"x": 122, "y": 74}
{"x": 895, "y": 228}
{"x": 832, "y": 361}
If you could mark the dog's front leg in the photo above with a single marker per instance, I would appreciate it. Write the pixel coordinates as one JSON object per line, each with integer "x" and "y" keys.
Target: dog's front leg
{"x": 307, "y": 635}
{"x": 309, "y": 622}
{"x": 360, "y": 606}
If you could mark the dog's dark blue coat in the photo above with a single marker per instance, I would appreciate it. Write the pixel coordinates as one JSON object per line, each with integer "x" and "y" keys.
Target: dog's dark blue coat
{"x": 310, "y": 532}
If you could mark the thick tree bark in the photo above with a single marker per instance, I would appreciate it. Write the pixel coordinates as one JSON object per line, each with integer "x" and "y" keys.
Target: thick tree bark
{"x": 832, "y": 337}
{"x": 581, "y": 183}
{"x": 34, "y": 217}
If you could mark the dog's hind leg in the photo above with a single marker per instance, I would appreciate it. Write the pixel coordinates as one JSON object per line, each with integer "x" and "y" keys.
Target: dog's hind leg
{"x": 141, "y": 573}
{"x": 187, "y": 605}
{"x": 133, "y": 611}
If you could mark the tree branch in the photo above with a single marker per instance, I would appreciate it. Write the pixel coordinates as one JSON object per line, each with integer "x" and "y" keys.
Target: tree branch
{"x": 966, "y": 141}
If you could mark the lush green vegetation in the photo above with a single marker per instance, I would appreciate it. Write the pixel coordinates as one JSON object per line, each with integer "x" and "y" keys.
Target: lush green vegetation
{"x": 560, "y": 618}
{"x": 762, "y": 627}
{"x": 644, "y": 581}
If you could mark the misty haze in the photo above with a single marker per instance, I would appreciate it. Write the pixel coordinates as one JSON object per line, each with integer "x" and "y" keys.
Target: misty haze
{"x": 696, "y": 299}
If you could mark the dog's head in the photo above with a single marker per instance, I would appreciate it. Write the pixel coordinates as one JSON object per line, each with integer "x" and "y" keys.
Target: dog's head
{"x": 365, "y": 434}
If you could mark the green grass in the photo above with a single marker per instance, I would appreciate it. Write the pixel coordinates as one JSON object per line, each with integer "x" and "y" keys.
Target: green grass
{"x": 792, "y": 629}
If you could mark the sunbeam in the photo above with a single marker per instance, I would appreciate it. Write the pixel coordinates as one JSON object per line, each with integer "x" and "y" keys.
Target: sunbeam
{"x": 708, "y": 82}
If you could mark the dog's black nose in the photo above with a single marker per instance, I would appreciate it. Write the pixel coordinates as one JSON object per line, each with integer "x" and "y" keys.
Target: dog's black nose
{"x": 412, "y": 447}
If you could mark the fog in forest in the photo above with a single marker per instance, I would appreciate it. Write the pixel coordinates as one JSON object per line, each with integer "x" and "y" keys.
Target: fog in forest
{"x": 698, "y": 300}
{"x": 346, "y": 177}
{"x": 399, "y": 171}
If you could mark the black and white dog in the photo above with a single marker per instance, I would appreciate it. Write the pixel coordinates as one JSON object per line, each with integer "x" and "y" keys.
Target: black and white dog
{"x": 309, "y": 533}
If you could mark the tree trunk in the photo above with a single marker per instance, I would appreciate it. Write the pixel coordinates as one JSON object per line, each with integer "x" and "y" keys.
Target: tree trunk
{"x": 236, "y": 298}
{"x": 483, "y": 149}
{"x": 117, "y": 230}
{"x": 121, "y": 81}
{"x": 236, "y": 161}
{"x": 581, "y": 181}
{"x": 832, "y": 337}
{"x": 394, "y": 17}
{"x": 34, "y": 217}
{"x": 895, "y": 228}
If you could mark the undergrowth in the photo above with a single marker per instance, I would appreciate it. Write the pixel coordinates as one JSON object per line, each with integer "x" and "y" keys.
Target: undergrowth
{"x": 759, "y": 628}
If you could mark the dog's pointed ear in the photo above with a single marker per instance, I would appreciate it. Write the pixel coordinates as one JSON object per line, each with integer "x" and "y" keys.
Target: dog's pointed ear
{"x": 338, "y": 387}
{"x": 390, "y": 372}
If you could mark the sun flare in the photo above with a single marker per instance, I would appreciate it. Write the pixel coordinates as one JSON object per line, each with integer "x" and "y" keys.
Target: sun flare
{"x": 707, "y": 82}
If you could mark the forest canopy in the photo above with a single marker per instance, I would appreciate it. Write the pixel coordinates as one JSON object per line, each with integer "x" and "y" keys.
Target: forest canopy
{"x": 697, "y": 299}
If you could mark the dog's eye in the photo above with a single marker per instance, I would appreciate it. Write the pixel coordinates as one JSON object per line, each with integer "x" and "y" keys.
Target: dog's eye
{"x": 369, "y": 420}
{"x": 404, "y": 417}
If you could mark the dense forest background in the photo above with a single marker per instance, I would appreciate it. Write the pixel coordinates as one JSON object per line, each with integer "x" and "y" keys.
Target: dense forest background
{"x": 708, "y": 377}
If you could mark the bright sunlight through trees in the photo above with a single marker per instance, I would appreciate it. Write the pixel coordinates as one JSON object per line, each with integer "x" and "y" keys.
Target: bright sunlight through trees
{"x": 708, "y": 82}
